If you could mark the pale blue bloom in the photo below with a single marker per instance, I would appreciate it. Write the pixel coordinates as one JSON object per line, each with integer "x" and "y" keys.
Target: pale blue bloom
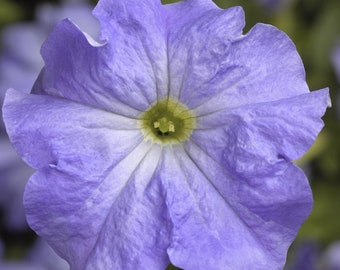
{"x": 171, "y": 141}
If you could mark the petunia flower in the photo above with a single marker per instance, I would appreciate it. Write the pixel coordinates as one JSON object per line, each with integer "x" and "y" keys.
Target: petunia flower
{"x": 172, "y": 141}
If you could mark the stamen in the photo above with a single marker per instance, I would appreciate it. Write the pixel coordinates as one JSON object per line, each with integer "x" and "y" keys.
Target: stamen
{"x": 164, "y": 125}
{"x": 167, "y": 122}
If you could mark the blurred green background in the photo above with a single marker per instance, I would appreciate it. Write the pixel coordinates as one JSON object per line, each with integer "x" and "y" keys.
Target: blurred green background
{"x": 314, "y": 26}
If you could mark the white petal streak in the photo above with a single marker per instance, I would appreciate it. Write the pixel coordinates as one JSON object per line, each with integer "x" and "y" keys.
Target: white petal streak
{"x": 119, "y": 176}
{"x": 103, "y": 198}
{"x": 129, "y": 209}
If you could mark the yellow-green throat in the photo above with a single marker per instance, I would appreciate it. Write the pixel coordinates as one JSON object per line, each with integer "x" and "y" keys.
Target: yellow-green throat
{"x": 167, "y": 122}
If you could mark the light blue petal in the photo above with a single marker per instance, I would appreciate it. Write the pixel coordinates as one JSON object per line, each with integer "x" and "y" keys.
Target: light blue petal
{"x": 137, "y": 40}
{"x": 224, "y": 222}
{"x": 250, "y": 140}
{"x": 197, "y": 52}
{"x": 183, "y": 13}
{"x": 115, "y": 222}
{"x": 135, "y": 232}
{"x": 261, "y": 66}
{"x": 91, "y": 197}
{"x": 104, "y": 82}
{"x": 77, "y": 139}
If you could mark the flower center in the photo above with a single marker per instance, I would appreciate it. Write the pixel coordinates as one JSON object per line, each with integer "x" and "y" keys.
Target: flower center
{"x": 164, "y": 125}
{"x": 167, "y": 122}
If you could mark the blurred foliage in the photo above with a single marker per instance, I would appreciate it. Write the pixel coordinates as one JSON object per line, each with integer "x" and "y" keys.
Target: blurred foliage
{"x": 314, "y": 27}
{"x": 9, "y": 12}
